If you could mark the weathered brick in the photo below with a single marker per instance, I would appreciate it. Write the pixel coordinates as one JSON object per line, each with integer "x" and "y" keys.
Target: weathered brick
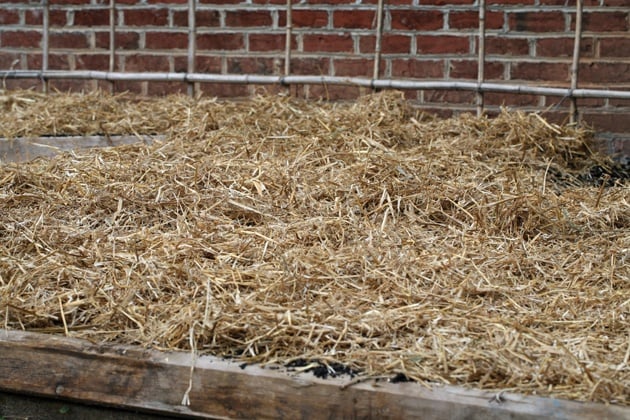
{"x": 202, "y": 64}
{"x": 269, "y": 42}
{"x": 365, "y": 19}
{"x": 467, "y": 69}
{"x": 230, "y": 41}
{"x": 9, "y": 17}
{"x": 252, "y": 65}
{"x": 9, "y": 60}
{"x": 506, "y": 46}
{"x": 333, "y": 92}
{"x": 415, "y": 68}
{"x": 166, "y": 40}
{"x": 203, "y": 18}
{"x": 224, "y": 90}
{"x": 68, "y": 40}
{"x": 617, "y": 122}
{"x": 563, "y": 47}
{"x": 504, "y": 99}
{"x": 327, "y": 43}
{"x": 167, "y": 88}
{"x": 305, "y": 18}
{"x": 604, "y": 21}
{"x": 449, "y": 97}
{"x": 445, "y": 44}
{"x": 354, "y": 67}
{"x": 91, "y": 17}
{"x": 247, "y": 18}
{"x": 56, "y": 18}
{"x": 146, "y": 17}
{"x": 614, "y": 47}
{"x": 416, "y": 19}
{"x": 92, "y": 61}
{"x": 604, "y": 72}
{"x": 145, "y": 62}
{"x": 536, "y": 21}
{"x": 470, "y": 20}
{"x": 55, "y": 61}
{"x": 310, "y": 66}
{"x": 20, "y": 39}
{"x": 123, "y": 40}
{"x": 447, "y": 2}
{"x": 540, "y": 71}
{"x": 390, "y": 44}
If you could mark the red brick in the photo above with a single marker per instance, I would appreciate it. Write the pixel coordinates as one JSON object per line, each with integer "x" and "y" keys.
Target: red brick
{"x": 310, "y": 66}
{"x": 614, "y": 47}
{"x": 72, "y": 85}
{"x": 55, "y": 61}
{"x": 305, "y": 18}
{"x": 202, "y": 64}
{"x": 327, "y": 43}
{"x": 390, "y": 44}
{"x": 467, "y": 69}
{"x": 167, "y": 88}
{"x": 68, "y": 40}
{"x": 504, "y": 99}
{"x": 222, "y": 1}
{"x": 563, "y": 47}
{"x": 421, "y": 69}
{"x": 446, "y": 2}
{"x": 604, "y": 72}
{"x": 166, "y": 40}
{"x": 356, "y": 67}
{"x": 333, "y": 92}
{"x": 557, "y": 72}
{"x": 130, "y": 86}
{"x": 416, "y": 19}
{"x": 536, "y": 21}
{"x": 21, "y": 84}
{"x": 247, "y": 18}
{"x": 23, "y": 39}
{"x": 146, "y": 17}
{"x": 612, "y": 122}
{"x": 364, "y": 19}
{"x": 203, "y": 18}
{"x": 269, "y": 42}
{"x": 143, "y": 62}
{"x": 445, "y": 44}
{"x": 568, "y": 3}
{"x": 224, "y": 90}
{"x": 616, "y": 3}
{"x": 9, "y": 17}
{"x": 122, "y": 40}
{"x": 331, "y": 1}
{"x": 67, "y": 2}
{"x": 252, "y": 65}
{"x": 470, "y": 20}
{"x": 449, "y": 97}
{"x": 390, "y": 2}
{"x": 92, "y": 62}
{"x": 269, "y": 1}
{"x": 9, "y": 60}
{"x": 506, "y": 2}
{"x": 91, "y": 17}
{"x": 506, "y": 46}
{"x": 213, "y": 42}
{"x": 36, "y": 17}
{"x": 603, "y": 21}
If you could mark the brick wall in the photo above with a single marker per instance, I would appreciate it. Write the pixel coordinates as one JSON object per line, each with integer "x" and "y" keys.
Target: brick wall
{"x": 528, "y": 41}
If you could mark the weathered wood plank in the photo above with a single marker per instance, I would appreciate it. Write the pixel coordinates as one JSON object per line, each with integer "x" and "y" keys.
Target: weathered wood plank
{"x": 24, "y": 149}
{"x": 140, "y": 379}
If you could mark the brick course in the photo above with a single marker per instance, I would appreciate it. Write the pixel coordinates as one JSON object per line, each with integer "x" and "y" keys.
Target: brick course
{"x": 528, "y": 41}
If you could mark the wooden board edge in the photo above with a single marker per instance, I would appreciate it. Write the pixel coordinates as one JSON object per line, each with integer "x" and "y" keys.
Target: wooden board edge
{"x": 28, "y": 148}
{"x": 141, "y": 379}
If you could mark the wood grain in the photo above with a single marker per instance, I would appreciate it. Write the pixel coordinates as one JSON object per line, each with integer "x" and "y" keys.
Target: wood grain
{"x": 153, "y": 381}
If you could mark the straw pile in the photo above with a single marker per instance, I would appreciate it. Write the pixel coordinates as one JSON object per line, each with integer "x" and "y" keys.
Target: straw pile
{"x": 470, "y": 251}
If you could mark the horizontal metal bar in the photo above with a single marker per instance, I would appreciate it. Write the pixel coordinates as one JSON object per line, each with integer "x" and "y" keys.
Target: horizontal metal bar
{"x": 315, "y": 80}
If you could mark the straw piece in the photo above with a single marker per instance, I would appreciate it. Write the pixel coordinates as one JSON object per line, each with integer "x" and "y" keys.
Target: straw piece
{"x": 473, "y": 251}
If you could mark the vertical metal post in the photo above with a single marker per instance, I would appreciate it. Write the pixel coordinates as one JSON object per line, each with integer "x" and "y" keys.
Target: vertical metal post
{"x": 481, "y": 60}
{"x": 192, "y": 43}
{"x": 287, "y": 48}
{"x": 573, "y": 117}
{"x": 379, "y": 36}
{"x": 45, "y": 44}
{"x": 112, "y": 41}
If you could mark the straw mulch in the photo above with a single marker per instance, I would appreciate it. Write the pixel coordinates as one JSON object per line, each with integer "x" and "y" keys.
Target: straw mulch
{"x": 469, "y": 251}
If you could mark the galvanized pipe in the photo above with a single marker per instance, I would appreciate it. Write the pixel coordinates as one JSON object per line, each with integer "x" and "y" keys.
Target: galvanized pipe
{"x": 379, "y": 37}
{"x": 316, "y": 80}
{"x": 192, "y": 43}
{"x": 45, "y": 43}
{"x": 573, "y": 114}
{"x": 112, "y": 39}
{"x": 481, "y": 60}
